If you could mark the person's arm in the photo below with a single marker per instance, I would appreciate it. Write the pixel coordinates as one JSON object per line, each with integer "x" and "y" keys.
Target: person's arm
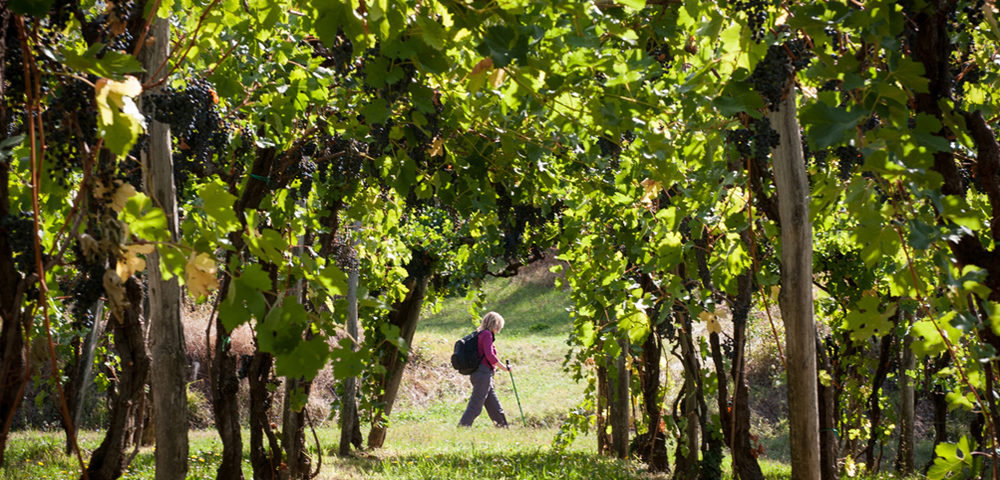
{"x": 489, "y": 350}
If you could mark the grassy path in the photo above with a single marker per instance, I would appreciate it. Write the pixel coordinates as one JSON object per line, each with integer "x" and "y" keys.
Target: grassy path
{"x": 423, "y": 440}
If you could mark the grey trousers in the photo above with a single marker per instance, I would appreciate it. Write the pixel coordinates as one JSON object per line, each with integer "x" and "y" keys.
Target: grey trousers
{"x": 483, "y": 395}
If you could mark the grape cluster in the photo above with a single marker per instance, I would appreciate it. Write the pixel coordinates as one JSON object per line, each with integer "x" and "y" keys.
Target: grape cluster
{"x": 765, "y": 138}
{"x": 834, "y": 35}
{"x": 660, "y": 52}
{"x": 729, "y": 348}
{"x": 871, "y": 123}
{"x": 13, "y": 73}
{"x": 740, "y": 139}
{"x": 817, "y": 157}
{"x": 755, "y": 141}
{"x": 338, "y": 55}
{"x": 118, "y": 14}
{"x": 130, "y": 168}
{"x": 85, "y": 290}
{"x": 380, "y": 140}
{"x": 609, "y": 148}
{"x": 343, "y": 171}
{"x": 120, "y": 43}
{"x": 965, "y": 71}
{"x": 850, "y": 157}
{"x": 969, "y": 179}
{"x": 756, "y": 11}
{"x": 305, "y": 171}
{"x": 69, "y": 123}
{"x": 18, "y": 230}
{"x": 973, "y": 12}
{"x": 770, "y": 75}
{"x": 196, "y": 122}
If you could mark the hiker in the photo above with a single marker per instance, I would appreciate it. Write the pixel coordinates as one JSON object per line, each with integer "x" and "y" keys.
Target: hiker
{"x": 482, "y": 379}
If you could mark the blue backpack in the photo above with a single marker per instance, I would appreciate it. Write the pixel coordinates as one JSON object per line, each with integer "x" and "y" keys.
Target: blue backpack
{"x": 466, "y": 358}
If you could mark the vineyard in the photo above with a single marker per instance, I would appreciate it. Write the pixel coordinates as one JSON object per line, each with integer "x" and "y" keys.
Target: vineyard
{"x": 313, "y": 177}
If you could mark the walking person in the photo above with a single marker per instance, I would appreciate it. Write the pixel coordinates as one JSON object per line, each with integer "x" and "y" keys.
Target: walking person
{"x": 483, "y": 393}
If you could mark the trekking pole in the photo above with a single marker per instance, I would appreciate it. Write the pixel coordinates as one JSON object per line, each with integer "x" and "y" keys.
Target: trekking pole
{"x": 515, "y": 394}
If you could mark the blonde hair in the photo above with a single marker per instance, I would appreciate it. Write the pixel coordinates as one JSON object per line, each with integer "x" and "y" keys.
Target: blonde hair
{"x": 492, "y": 321}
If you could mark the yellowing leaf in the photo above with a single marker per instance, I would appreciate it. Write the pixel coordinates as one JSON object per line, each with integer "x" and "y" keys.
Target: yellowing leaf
{"x": 124, "y": 192}
{"x": 119, "y": 122}
{"x": 497, "y": 77}
{"x": 91, "y": 249}
{"x": 200, "y": 275}
{"x": 131, "y": 262}
{"x": 437, "y": 147}
{"x": 714, "y": 326}
{"x": 651, "y": 190}
{"x": 115, "y": 293}
{"x": 114, "y": 92}
{"x": 711, "y": 323}
{"x": 483, "y": 65}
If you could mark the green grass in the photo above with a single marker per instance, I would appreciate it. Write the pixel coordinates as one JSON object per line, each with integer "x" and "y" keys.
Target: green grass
{"x": 40, "y": 455}
{"x": 533, "y": 340}
{"x": 423, "y": 441}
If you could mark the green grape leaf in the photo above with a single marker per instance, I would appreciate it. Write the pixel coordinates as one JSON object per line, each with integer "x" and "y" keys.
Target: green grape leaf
{"x": 173, "y": 262}
{"x": 909, "y": 73}
{"x": 376, "y": 111}
{"x": 113, "y": 64}
{"x": 951, "y": 460}
{"x": 8, "y": 145}
{"x": 927, "y": 341}
{"x": 829, "y": 126}
{"x": 304, "y": 360}
{"x": 585, "y": 333}
{"x": 333, "y": 280}
{"x": 636, "y": 324}
{"x": 282, "y": 329}
{"x": 34, "y": 8}
{"x": 956, "y": 399}
{"x": 865, "y": 319}
{"x": 219, "y": 206}
{"x": 244, "y": 299}
{"x": 268, "y": 245}
{"x": 346, "y": 362}
{"x": 144, "y": 220}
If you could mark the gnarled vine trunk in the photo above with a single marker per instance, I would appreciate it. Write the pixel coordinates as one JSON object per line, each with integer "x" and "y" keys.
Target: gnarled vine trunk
{"x": 79, "y": 373}
{"x": 265, "y": 461}
{"x": 109, "y": 460}
{"x": 828, "y": 444}
{"x": 405, "y": 316}
{"x": 653, "y": 446}
{"x": 734, "y": 413}
{"x": 686, "y": 455}
{"x": 907, "y": 410}
{"x": 13, "y": 362}
{"x": 619, "y": 400}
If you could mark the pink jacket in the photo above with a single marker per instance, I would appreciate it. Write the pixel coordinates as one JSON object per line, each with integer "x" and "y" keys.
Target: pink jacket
{"x": 487, "y": 349}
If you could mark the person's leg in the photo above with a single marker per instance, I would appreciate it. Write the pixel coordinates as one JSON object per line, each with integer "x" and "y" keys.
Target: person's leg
{"x": 480, "y": 388}
{"x": 493, "y": 407}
